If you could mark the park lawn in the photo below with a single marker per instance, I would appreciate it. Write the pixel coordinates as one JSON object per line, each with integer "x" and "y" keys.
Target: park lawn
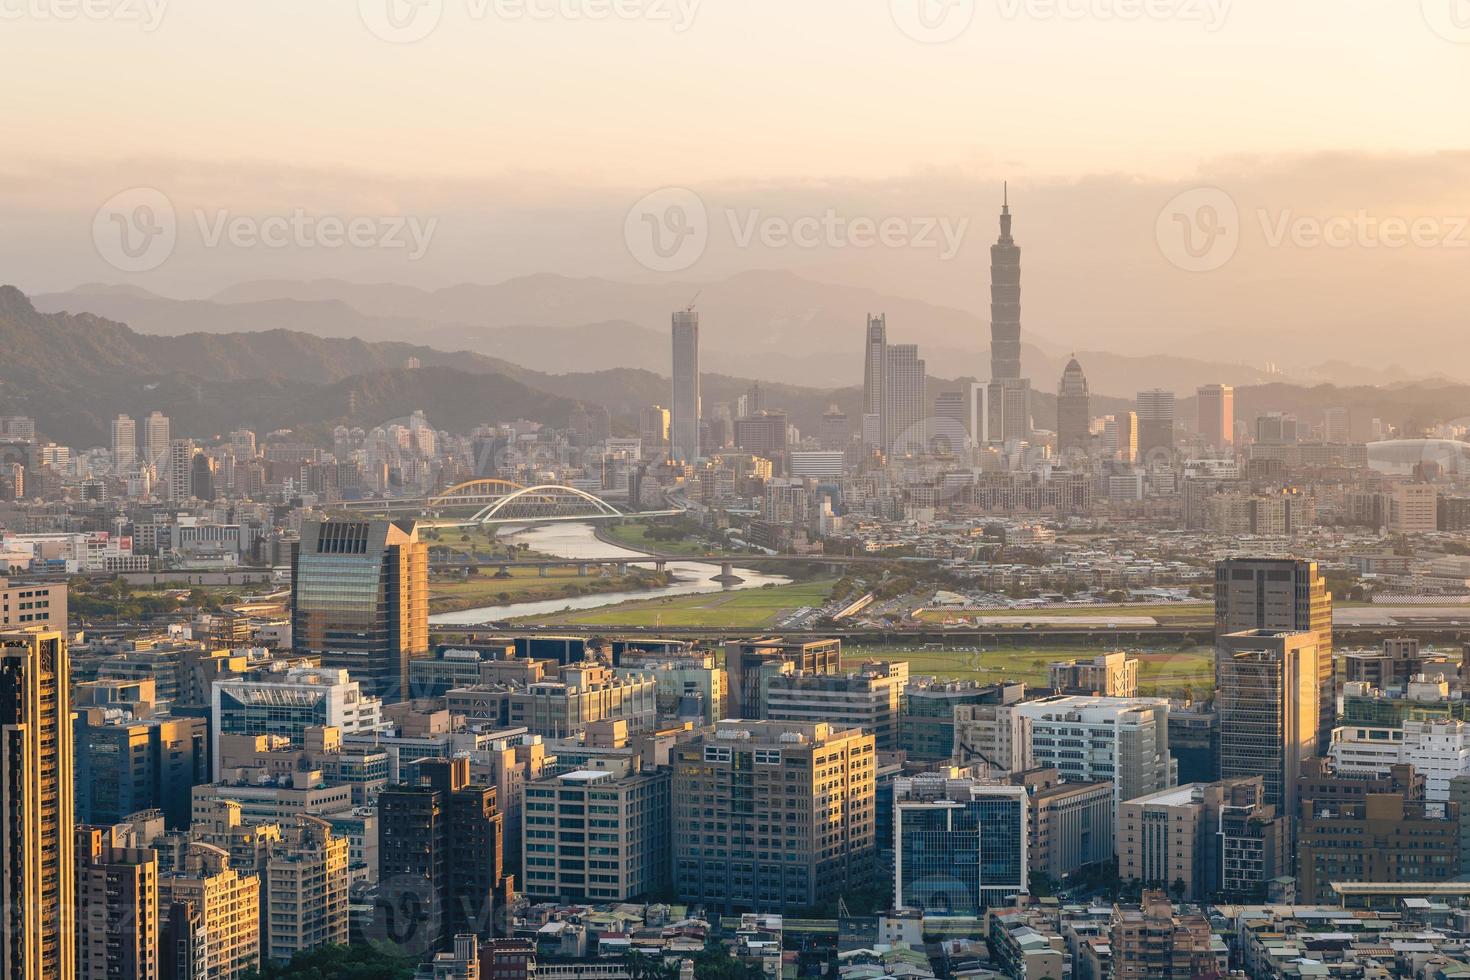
{"x": 740, "y": 609}
{"x": 1166, "y": 672}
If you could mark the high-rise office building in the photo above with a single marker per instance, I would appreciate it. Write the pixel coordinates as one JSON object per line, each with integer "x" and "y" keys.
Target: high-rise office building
{"x": 37, "y": 871}
{"x": 1337, "y": 426}
{"x": 960, "y": 845}
{"x": 117, "y": 906}
{"x": 1216, "y": 404}
{"x": 1120, "y": 437}
{"x": 1155, "y": 423}
{"x": 773, "y": 816}
{"x": 1074, "y": 410}
{"x": 751, "y": 663}
{"x": 763, "y": 433}
{"x": 869, "y": 698}
{"x": 875, "y": 376}
{"x": 631, "y": 856}
{"x": 439, "y": 857}
{"x": 128, "y": 765}
{"x": 1282, "y": 594}
{"x": 156, "y": 439}
{"x": 653, "y": 431}
{"x": 685, "y": 413}
{"x": 360, "y": 600}
{"x": 1005, "y": 301}
{"x": 124, "y": 444}
{"x": 1268, "y": 705}
{"x": 180, "y": 475}
{"x": 904, "y": 403}
{"x": 1001, "y": 411}
{"x": 950, "y": 430}
{"x": 1127, "y": 741}
{"x": 1276, "y": 429}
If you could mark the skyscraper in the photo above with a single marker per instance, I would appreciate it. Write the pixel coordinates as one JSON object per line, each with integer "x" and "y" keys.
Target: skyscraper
{"x": 124, "y": 444}
{"x": 1216, "y": 405}
{"x": 875, "y": 375}
{"x": 1281, "y": 594}
{"x": 684, "y": 416}
{"x": 439, "y": 857}
{"x": 360, "y": 600}
{"x": 1074, "y": 410}
{"x": 1155, "y": 423}
{"x": 117, "y": 906}
{"x": 1268, "y": 705}
{"x": 1120, "y": 436}
{"x": 1005, "y": 301}
{"x": 903, "y": 401}
{"x": 750, "y": 778}
{"x": 37, "y": 856}
{"x": 156, "y": 437}
{"x": 1003, "y": 413}
{"x": 181, "y": 469}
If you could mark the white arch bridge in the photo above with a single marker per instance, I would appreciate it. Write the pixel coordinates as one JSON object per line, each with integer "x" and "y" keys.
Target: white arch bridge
{"x": 549, "y": 502}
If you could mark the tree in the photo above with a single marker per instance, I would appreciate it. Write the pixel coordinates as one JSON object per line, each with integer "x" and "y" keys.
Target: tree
{"x": 370, "y": 961}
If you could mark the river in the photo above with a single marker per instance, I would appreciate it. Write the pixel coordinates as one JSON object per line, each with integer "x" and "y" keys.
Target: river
{"x": 581, "y": 541}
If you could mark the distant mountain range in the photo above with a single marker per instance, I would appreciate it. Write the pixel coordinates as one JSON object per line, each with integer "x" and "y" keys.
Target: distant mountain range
{"x": 75, "y": 372}
{"x": 771, "y": 325}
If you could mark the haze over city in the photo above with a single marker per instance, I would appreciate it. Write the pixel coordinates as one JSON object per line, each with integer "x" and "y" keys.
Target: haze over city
{"x": 735, "y": 490}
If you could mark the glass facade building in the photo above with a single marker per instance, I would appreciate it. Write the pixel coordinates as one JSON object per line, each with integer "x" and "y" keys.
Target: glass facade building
{"x": 960, "y": 846}
{"x": 360, "y": 600}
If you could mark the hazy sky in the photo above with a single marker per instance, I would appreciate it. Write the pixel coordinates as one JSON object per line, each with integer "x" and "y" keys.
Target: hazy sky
{"x": 693, "y": 90}
{"x": 526, "y": 129}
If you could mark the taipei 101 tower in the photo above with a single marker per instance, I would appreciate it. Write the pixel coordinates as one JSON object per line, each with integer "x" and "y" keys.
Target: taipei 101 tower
{"x": 1001, "y": 409}
{"x": 1005, "y": 301}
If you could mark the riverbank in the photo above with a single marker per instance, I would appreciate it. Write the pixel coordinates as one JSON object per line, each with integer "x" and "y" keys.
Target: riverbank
{"x": 529, "y": 586}
{"x": 685, "y": 578}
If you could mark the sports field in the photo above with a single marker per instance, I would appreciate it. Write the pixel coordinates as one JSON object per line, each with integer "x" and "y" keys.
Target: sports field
{"x": 1162, "y": 672}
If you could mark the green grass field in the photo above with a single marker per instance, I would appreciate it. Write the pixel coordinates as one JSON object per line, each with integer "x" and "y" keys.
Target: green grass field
{"x": 742, "y": 609}
{"x": 1163, "y": 672}
{"x": 525, "y": 585}
{"x": 635, "y": 536}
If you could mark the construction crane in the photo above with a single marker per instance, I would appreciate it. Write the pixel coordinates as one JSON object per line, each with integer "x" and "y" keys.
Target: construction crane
{"x": 690, "y": 307}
